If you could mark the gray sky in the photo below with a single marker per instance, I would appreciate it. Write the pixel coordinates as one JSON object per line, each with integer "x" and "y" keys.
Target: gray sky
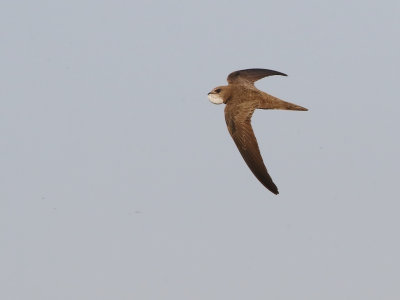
{"x": 119, "y": 179}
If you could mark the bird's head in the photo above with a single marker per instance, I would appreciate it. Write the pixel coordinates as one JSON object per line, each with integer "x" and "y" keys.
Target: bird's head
{"x": 219, "y": 95}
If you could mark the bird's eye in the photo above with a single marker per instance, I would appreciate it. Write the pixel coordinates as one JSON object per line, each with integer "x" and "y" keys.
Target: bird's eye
{"x": 217, "y": 90}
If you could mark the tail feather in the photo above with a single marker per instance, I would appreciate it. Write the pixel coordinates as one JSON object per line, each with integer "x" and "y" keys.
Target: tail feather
{"x": 271, "y": 102}
{"x": 290, "y": 106}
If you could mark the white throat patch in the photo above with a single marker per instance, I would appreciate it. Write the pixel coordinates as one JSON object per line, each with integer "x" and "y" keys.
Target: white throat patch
{"x": 215, "y": 98}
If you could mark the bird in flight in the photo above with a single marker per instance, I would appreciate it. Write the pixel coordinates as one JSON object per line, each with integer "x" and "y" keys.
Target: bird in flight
{"x": 242, "y": 98}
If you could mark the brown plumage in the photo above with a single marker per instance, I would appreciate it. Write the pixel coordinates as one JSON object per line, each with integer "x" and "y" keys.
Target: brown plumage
{"x": 242, "y": 98}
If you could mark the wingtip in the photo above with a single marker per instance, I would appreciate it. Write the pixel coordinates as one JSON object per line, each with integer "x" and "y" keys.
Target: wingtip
{"x": 273, "y": 189}
{"x": 280, "y": 73}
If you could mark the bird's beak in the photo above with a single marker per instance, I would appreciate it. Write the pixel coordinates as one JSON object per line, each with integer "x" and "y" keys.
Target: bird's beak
{"x": 210, "y": 93}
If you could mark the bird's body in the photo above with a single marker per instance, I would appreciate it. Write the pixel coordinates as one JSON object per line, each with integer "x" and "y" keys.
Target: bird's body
{"x": 242, "y": 98}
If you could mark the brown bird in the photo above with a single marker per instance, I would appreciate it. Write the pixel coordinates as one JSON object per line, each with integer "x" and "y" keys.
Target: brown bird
{"x": 242, "y": 98}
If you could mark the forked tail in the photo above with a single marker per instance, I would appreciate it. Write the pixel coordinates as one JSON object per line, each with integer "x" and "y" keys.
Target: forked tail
{"x": 271, "y": 102}
{"x": 290, "y": 106}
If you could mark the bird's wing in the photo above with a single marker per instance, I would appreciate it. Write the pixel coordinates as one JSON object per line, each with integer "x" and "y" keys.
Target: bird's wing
{"x": 238, "y": 120}
{"x": 249, "y": 76}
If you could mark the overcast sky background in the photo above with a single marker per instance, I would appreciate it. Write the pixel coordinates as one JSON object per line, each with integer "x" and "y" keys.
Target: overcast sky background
{"x": 119, "y": 179}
